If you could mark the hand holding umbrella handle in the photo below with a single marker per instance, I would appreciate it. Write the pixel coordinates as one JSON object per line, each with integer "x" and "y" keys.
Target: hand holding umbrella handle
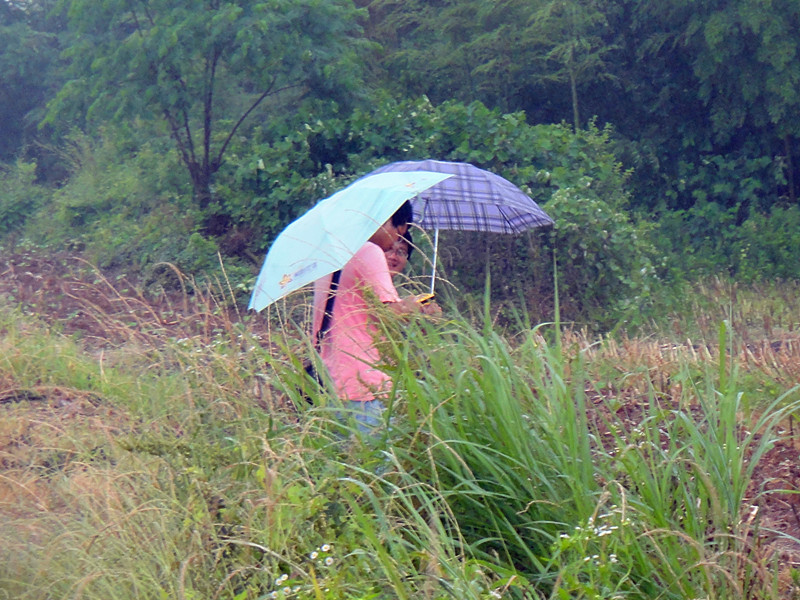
{"x": 427, "y": 304}
{"x": 431, "y": 309}
{"x": 425, "y": 298}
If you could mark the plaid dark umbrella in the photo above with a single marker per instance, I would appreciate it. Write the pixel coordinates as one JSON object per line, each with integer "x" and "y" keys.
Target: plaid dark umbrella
{"x": 471, "y": 200}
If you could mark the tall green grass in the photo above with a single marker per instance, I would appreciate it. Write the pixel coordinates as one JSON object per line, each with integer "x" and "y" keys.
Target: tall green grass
{"x": 658, "y": 510}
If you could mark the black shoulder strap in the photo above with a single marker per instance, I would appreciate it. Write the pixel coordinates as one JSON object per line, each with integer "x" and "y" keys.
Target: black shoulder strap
{"x": 328, "y": 314}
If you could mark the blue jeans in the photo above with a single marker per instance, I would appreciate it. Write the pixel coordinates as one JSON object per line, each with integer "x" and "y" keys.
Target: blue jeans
{"x": 368, "y": 414}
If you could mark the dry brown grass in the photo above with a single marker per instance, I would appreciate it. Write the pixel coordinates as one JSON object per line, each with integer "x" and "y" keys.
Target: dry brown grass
{"x": 46, "y": 431}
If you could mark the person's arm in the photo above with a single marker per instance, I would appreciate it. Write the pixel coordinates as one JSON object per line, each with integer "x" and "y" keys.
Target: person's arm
{"x": 374, "y": 272}
{"x": 409, "y": 305}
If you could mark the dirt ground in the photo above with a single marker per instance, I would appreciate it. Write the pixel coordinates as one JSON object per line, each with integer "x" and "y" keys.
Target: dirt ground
{"x": 77, "y": 300}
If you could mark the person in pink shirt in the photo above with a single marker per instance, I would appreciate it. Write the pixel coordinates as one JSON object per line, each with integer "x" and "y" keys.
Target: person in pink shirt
{"x": 348, "y": 348}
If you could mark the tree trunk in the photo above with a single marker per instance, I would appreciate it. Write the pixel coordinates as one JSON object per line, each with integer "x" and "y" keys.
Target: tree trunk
{"x": 201, "y": 184}
{"x": 213, "y": 222}
{"x": 573, "y": 85}
{"x": 787, "y": 144}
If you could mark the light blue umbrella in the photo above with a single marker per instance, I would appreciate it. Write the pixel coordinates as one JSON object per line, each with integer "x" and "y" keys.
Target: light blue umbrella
{"x": 328, "y": 235}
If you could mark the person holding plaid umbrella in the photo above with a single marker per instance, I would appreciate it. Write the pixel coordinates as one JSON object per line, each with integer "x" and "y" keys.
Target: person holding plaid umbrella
{"x": 348, "y": 347}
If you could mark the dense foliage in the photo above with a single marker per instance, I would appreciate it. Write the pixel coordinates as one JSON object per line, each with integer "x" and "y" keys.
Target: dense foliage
{"x": 678, "y": 158}
{"x": 202, "y": 68}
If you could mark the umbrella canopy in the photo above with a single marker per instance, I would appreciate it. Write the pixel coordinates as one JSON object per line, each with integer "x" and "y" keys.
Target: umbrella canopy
{"x": 471, "y": 200}
{"x": 328, "y": 235}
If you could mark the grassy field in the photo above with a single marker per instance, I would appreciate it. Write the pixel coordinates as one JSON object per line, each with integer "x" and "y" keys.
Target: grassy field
{"x": 159, "y": 449}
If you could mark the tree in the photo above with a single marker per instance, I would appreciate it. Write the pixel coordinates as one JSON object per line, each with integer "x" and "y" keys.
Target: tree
{"x": 28, "y": 71}
{"x": 510, "y": 54}
{"x": 569, "y": 35}
{"x": 424, "y": 46}
{"x": 744, "y": 58}
{"x": 203, "y": 67}
{"x": 500, "y": 53}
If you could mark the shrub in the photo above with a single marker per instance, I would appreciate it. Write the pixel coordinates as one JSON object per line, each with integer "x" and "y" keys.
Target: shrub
{"x": 770, "y": 244}
{"x": 705, "y": 239}
{"x": 125, "y": 206}
{"x": 21, "y": 196}
{"x": 279, "y": 180}
{"x": 605, "y": 261}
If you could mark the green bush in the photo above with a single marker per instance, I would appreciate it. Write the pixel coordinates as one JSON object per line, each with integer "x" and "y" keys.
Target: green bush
{"x": 770, "y": 244}
{"x": 728, "y": 180}
{"x": 21, "y": 196}
{"x": 706, "y": 239}
{"x": 278, "y": 180}
{"x": 604, "y": 259}
{"x": 125, "y": 206}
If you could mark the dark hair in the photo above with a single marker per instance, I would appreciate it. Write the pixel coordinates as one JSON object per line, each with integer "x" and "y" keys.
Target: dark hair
{"x": 406, "y": 237}
{"x": 403, "y": 215}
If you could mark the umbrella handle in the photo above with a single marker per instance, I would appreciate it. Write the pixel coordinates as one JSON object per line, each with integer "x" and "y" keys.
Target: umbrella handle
{"x": 435, "y": 255}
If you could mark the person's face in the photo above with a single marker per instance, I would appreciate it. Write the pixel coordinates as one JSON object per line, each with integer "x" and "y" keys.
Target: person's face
{"x": 397, "y": 256}
{"x": 387, "y": 235}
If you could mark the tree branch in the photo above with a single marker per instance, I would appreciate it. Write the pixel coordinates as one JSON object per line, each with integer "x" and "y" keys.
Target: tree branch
{"x": 259, "y": 100}
{"x": 187, "y": 159}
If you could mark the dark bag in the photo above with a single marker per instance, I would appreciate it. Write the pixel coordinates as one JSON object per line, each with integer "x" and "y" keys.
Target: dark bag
{"x": 308, "y": 366}
{"x": 314, "y": 382}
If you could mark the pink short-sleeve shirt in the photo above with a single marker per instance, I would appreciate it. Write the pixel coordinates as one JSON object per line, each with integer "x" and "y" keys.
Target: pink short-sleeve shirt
{"x": 349, "y": 350}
